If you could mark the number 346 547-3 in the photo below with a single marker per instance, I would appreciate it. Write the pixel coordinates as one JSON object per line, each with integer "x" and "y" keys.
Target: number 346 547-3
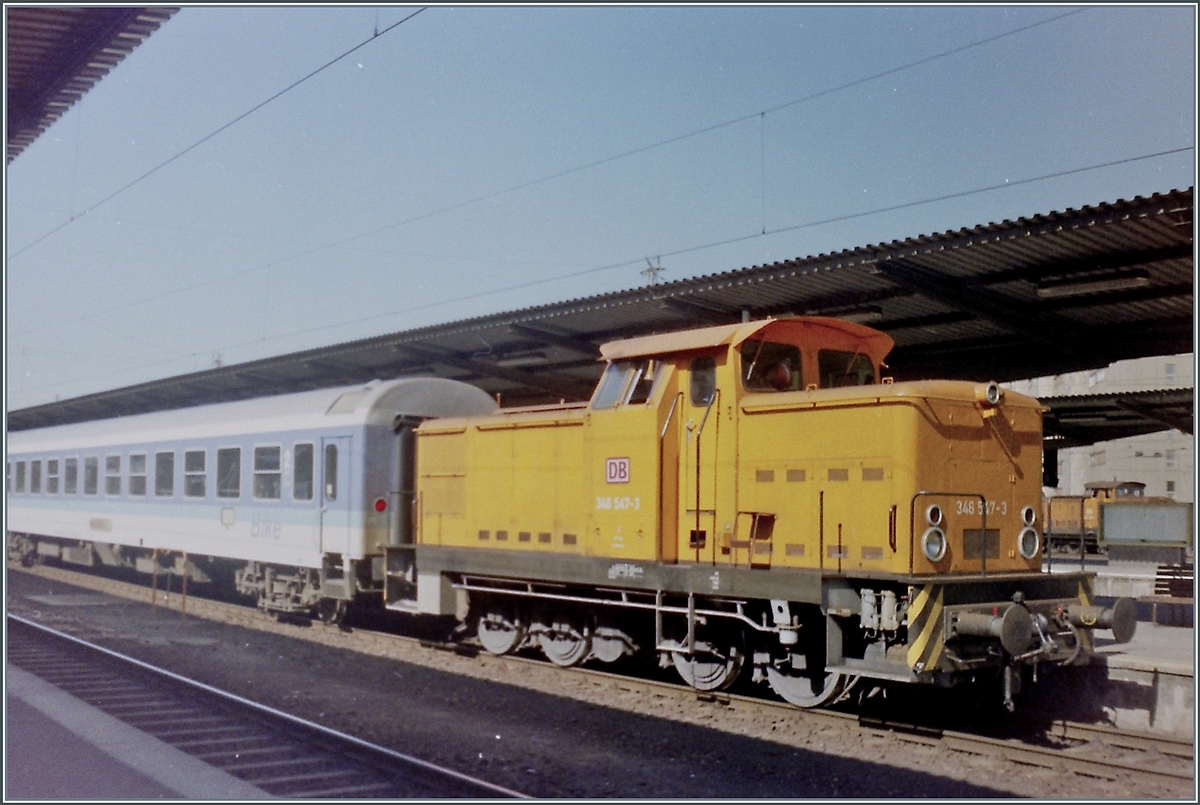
{"x": 979, "y": 507}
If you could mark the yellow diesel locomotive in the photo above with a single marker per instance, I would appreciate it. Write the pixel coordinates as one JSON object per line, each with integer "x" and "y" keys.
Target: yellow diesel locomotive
{"x": 757, "y": 497}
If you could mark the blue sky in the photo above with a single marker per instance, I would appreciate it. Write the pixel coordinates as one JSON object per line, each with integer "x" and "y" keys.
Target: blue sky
{"x": 481, "y": 159}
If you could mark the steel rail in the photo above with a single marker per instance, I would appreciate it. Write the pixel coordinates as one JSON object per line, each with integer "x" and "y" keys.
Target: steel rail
{"x": 481, "y": 787}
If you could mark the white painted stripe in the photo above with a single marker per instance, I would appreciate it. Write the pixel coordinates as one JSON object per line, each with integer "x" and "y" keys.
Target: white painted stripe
{"x": 161, "y": 762}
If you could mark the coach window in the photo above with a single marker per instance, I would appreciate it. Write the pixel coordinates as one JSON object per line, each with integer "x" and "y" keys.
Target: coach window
{"x": 164, "y": 474}
{"x": 35, "y": 477}
{"x": 137, "y": 474}
{"x": 52, "y": 476}
{"x": 20, "y": 477}
{"x": 704, "y": 381}
{"x": 331, "y": 490}
{"x": 229, "y": 472}
{"x": 112, "y": 475}
{"x": 71, "y": 476}
{"x": 194, "y": 466}
{"x": 267, "y": 476}
{"x": 302, "y": 475}
{"x": 91, "y": 475}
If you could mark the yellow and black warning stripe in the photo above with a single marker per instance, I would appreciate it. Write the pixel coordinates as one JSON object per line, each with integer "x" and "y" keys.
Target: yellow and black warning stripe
{"x": 926, "y": 632}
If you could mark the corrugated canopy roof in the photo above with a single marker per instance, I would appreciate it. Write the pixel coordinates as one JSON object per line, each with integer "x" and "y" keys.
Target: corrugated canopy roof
{"x": 1084, "y": 419}
{"x": 56, "y": 54}
{"x": 1038, "y": 296}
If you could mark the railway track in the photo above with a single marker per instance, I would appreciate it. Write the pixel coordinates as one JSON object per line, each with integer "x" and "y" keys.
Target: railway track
{"x": 276, "y": 753}
{"x": 1084, "y": 749}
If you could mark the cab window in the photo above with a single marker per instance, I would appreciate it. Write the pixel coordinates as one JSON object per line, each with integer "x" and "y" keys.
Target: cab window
{"x": 612, "y": 384}
{"x": 645, "y": 378}
{"x": 703, "y": 385}
{"x": 844, "y": 369}
{"x": 768, "y": 366}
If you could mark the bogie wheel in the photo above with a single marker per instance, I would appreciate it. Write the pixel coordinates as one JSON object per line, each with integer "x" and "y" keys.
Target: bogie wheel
{"x": 566, "y": 640}
{"x": 715, "y": 664}
{"x": 808, "y": 691}
{"x": 501, "y": 629}
{"x": 331, "y": 611}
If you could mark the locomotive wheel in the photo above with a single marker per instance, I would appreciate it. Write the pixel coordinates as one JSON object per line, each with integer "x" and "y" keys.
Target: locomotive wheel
{"x": 566, "y": 641}
{"x": 501, "y": 630}
{"x": 331, "y": 611}
{"x": 710, "y": 667}
{"x": 802, "y": 690}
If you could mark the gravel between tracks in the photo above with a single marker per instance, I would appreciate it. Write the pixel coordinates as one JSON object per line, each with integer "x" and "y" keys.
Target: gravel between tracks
{"x": 537, "y": 729}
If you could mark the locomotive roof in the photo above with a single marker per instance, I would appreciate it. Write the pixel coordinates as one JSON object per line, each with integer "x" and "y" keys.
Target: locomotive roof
{"x": 1112, "y": 484}
{"x": 376, "y": 403}
{"x": 838, "y": 333}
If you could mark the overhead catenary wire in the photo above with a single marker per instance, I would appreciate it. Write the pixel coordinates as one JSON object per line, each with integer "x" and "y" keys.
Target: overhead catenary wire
{"x": 761, "y": 114}
{"x": 637, "y": 261}
{"x": 212, "y": 134}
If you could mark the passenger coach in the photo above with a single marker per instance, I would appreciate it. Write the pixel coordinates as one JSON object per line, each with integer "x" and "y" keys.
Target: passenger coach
{"x": 301, "y": 491}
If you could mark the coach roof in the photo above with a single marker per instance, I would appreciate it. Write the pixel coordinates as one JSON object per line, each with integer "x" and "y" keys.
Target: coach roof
{"x": 375, "y": 403}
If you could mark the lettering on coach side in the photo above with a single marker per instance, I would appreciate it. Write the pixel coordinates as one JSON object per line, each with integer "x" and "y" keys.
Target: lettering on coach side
{"x": 616, "y": 471}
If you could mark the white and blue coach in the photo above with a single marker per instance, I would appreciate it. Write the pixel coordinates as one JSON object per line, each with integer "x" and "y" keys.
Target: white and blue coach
{"x": 297, "y": 495}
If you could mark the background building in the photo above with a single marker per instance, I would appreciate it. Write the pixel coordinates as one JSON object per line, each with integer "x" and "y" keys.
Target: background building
{"x": 1164, "y": 461}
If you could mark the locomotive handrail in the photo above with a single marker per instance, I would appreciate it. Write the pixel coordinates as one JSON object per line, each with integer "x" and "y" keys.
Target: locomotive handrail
{"x": 663, "y": 434}
{"x": 699, "y": 433}
{"x": 691, "y": 612}
{"x": 912, "y": 535}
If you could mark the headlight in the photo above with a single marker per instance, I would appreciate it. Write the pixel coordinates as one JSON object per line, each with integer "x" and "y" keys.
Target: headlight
{"x": 933, "y": 515}
{"x": 1028, "y": 542}
{"x": 1028, "y": 515}
{"x": 933, "y": 544}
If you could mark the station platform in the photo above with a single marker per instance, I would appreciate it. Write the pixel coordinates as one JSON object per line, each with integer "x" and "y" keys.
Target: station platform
{"x": 1148, "y": 684}
{"x": 58, "y": 747}
{"x": 1127, "y": 579}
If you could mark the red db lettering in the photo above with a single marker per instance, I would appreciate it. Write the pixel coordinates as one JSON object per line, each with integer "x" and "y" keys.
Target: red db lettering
{"x": 617, "y": 471}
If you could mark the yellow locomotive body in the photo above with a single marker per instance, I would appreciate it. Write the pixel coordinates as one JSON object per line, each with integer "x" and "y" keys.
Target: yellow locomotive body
{"x": 752, "y": 496}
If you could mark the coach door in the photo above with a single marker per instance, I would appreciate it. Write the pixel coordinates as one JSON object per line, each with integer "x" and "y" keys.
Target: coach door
{"x": 335, "y": 494}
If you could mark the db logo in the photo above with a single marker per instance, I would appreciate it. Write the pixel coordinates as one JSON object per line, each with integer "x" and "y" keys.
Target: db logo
{"x": 616, "y": 471}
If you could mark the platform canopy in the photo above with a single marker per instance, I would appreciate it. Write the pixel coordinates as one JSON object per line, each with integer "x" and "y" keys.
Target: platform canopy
{"x": 1045, "y": 295}
{"x": 1087, "y": 418}
{"x": 55, "y": 54}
